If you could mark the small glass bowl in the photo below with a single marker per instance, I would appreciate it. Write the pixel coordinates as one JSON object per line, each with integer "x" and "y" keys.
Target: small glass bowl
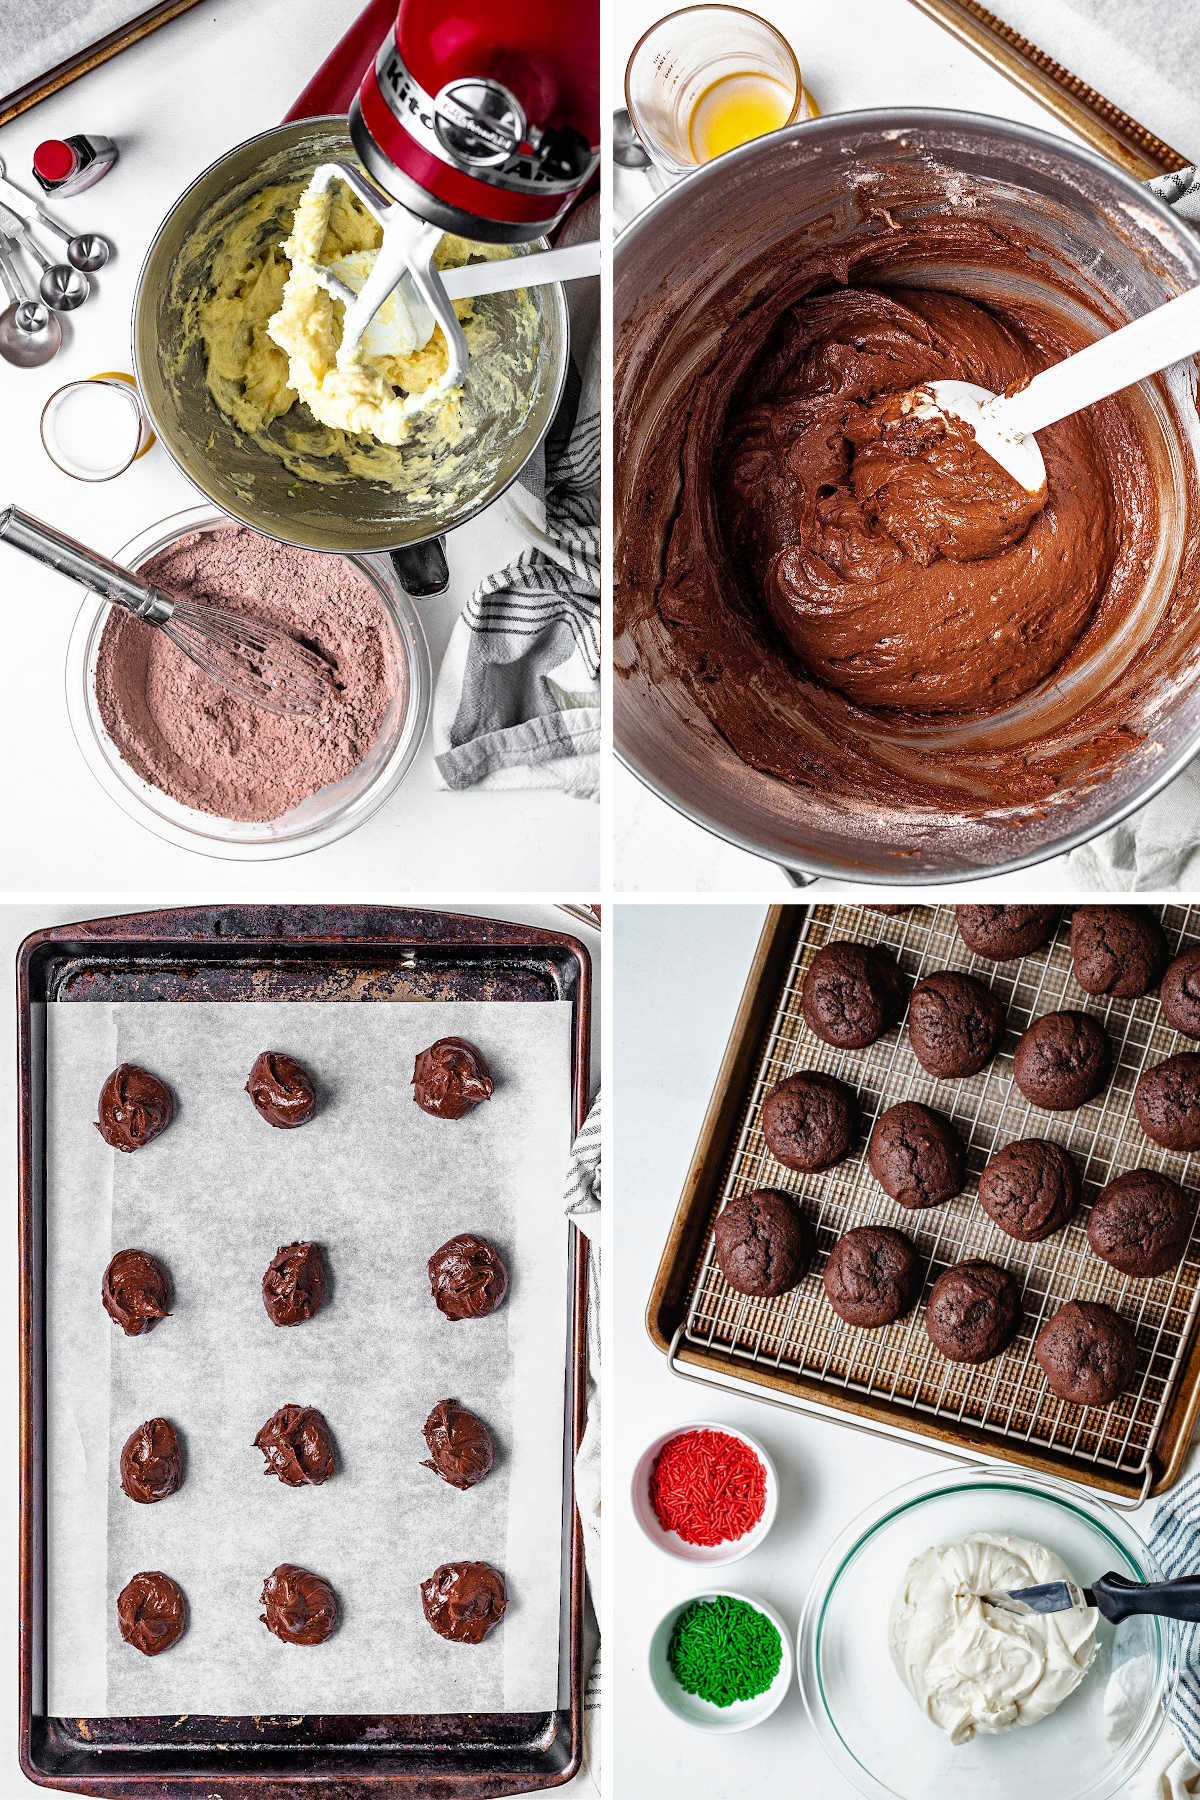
{"x": 710, "y": 1556}
{"x": 866, "y": 1719}
{"x": 323, "y": 817}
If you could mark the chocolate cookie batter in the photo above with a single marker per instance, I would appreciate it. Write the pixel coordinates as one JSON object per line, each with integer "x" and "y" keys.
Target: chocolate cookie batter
{"x": 467, "y": 1277}
{"x": 301, "y": 1608}
{"x": 135, "y": 1291}
{"x": 845, "y": 596}
{"x": 152, "y": 1462}
{"x": 151, "y": 1612}
{"x": 464, "y": 1601}
{"x": 281, "y": 1089}
{"x": 450, "y": 1078}
{"x": 134, "y": 1107}
{"x": 460, "y": 1445}
{"x": 294, "y": 1285}
{"x": 298, "y": 1446}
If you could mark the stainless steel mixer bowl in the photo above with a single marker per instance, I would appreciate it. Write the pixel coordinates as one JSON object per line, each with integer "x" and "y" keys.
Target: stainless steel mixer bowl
{"x": 817, "y": 179}
{"x": 354, "y": 515}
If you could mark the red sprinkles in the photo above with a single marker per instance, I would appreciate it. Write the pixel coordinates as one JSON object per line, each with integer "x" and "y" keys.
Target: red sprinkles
{"x": 708, "y": 1487}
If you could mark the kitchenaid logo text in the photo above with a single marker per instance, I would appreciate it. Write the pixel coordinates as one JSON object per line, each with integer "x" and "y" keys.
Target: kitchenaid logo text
{"x": 492, "y": 147}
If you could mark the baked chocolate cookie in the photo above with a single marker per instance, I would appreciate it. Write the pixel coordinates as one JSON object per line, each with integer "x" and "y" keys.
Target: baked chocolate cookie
{"x": 1030, "y": 1188}
{"x": 810, "y": 1121}
{"x": 1063, "y": 1060}
{"x": 1117, "y": 950}
{"x": 1087, "y": 1352}
{"x": 1180, "y": 993}
{"x": 1141, "y": 1223}
{"x": 762, "y": 1242}
{"x": 1167, "y": 1101}
{"x": 1006, "y": 932}
{"x": 954, "y": 1024}
{"x": 916, "y": 1155}
{"x": 973, "y": 1311}
{"x": 872, "y": 1276}
{"x": 852, "y": 994}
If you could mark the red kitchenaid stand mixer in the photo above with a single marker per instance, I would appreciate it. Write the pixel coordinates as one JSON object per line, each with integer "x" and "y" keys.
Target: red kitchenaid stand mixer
{"x": 469, "y": 117}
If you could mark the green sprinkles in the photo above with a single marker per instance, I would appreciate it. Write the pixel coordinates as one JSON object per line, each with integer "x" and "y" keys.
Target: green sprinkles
{"x": 724, "y": 1650}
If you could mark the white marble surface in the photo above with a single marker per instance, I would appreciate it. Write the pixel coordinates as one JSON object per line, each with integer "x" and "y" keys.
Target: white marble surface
{"x": 174, "y": 102}
{"x": 860, "y": 53}
{"x": 678, "y": 976}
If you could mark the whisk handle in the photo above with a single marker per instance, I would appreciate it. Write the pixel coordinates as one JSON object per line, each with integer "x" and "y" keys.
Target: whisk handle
{"x": 58, "y": 551}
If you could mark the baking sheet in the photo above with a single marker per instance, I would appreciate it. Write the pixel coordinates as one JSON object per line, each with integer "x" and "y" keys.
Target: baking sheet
{"x": 380, "y": 1185}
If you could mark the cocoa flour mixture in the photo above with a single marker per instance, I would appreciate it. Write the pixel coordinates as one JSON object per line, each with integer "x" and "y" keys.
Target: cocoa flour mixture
{"x": 849, "y": 600}
{"x": 202, "y": 745}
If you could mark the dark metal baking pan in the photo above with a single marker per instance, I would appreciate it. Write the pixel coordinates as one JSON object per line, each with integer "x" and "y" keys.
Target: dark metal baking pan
{"x": 336, "y": 952}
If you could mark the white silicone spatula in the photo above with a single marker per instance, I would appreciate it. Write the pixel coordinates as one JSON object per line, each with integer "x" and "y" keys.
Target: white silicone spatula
{"x": 1005, "y": 425}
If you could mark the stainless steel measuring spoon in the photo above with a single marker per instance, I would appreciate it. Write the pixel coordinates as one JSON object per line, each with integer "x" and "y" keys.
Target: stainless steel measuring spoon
{"x": 61, "y": 286}
{"x": 87, "y": 252}
{"x": 30, "y": 334}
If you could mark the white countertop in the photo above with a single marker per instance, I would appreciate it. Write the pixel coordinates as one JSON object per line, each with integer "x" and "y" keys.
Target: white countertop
{"x": 174, "y": 102}
{"x": 857, "y": 54}
{"x": 678, "y": 977}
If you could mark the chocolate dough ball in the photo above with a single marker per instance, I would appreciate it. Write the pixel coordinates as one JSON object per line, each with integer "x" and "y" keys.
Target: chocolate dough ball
{"x": 762, "y": 1242}
{"x": 450, "y": 1078}
{"x": 464, "y": 1601}
{"x": 916, "y": 1155}
{"x": 1117, "y": 950}
{"x": 294, "y": 1285}
{"x": 1141, "y": 1223}
{"x": 282, "y": 1090}
{"x": 955, "y": 1024}
{"x": 1030, "y": 1189}
{"x": 301, "y": 1608}
{"x": 852, "y": 994}
{"x": 460, "y": 1445}
{"x": 872, "y": 1276}
{"x": 1063, "y": 1060}
{"x": 151, "y": 1612}
{"x": 298, "y": 1446}
{"x": 1087, "y": 1352}
{"x": 1167, "y": 1101}
{"x": 1180, "y": 993}
{"x": 1006, "y": 932}
{"x": 810, "y": 1121}
{"x": 134, "y": 1107}
{"x": 973, "y": 1311}
{"x": 152, "y": 1462}
{"x": 135, "y": 1291}
{"x": 467, "y": 1277}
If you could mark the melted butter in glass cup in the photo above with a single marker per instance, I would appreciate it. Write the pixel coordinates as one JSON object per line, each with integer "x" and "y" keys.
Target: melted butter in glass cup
{"x": 706, "y": 79}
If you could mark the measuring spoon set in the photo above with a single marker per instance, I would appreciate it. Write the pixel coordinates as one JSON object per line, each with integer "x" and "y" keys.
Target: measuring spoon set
{"x": 30, "y": 329}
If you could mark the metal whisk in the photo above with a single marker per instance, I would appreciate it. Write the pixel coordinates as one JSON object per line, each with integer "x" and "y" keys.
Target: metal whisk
{"x": 257, "y": 662}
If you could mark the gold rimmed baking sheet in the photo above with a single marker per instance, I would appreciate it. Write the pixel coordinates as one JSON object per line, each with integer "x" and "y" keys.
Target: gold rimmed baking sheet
{"x": 895, "y": 1376}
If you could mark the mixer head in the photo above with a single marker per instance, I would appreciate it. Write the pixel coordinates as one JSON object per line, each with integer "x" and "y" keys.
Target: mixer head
{"x": 489, "y": 130}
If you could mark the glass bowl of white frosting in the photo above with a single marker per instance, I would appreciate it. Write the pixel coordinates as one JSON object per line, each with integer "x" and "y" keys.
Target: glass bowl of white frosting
{"x": 1069, "y": 1716}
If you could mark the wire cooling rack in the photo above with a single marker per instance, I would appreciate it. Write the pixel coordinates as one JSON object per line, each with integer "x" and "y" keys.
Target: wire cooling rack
{"x": 1005, "y": 1402}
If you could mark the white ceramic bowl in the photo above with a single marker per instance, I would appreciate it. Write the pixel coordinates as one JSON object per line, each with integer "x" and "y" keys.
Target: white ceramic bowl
{"x": 702, "y": 1713}
{"x": 732, "y": 1549}
{"x": 323, "y": 817}
{"x": 868, "y": 1722}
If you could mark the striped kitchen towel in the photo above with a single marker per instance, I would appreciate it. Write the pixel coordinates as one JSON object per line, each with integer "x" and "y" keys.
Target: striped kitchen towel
{"x": 518, "y": 695}
{"x": 582, "y": 1204}
{"x": 1172, "y": 1769}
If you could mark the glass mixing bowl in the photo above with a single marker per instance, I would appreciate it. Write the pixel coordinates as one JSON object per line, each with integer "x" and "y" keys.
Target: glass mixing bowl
{"x": 867, "y": 1721}
{"x": 326, "y": 815}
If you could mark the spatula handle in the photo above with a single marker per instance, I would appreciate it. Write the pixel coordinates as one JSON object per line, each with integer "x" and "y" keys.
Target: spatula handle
{"x": 1119, "y": 1599}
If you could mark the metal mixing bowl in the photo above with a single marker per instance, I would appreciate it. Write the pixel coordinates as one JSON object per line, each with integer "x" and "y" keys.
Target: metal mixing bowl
{"x": 683, "y": 264}
{"x": 245, "y": 480}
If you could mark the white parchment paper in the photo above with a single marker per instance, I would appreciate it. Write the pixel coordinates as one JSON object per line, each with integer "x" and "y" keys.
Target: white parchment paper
{"x": 380, "y": 1185}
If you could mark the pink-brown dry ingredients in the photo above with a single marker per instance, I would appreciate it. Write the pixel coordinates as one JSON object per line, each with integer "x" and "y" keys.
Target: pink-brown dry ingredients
{"x": 207, "y": 749}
